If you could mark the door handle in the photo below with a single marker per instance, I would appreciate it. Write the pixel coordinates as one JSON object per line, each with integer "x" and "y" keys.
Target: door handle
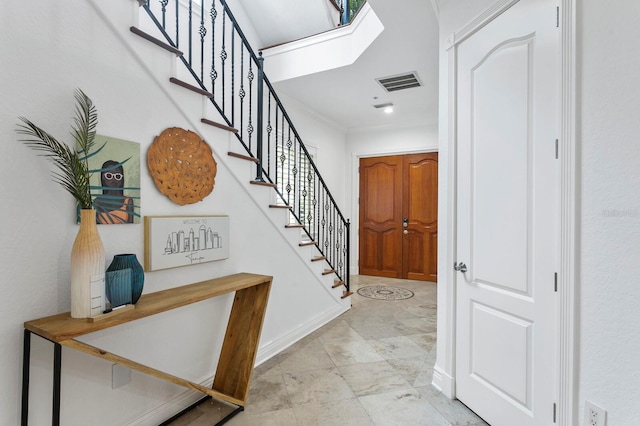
{"x": 405, "y": 232}
{"x": 460, "y": 267}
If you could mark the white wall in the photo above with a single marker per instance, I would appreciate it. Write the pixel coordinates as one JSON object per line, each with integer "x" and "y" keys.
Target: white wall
{"x": 50, "y": 48}
{"x": 375, "y": 142}
{"x": 608, "y": 128}
{"x": 608, "y": 108}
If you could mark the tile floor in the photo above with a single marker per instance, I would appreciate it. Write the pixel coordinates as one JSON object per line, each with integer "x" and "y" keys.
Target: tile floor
{"x": 371, "y": 366}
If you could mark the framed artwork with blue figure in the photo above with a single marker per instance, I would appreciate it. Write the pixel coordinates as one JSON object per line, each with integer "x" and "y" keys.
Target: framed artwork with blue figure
{"x": 115, "y": 180}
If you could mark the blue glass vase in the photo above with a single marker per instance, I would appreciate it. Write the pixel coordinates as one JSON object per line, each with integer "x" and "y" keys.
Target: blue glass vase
{"x": 130, "y": 261}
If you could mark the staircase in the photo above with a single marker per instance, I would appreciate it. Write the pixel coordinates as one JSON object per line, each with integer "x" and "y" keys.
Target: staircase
{"x": 219, "y": 64}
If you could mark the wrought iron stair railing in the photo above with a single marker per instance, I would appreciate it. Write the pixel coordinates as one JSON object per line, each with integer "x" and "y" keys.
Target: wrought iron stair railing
{"x": 220, "y": 60}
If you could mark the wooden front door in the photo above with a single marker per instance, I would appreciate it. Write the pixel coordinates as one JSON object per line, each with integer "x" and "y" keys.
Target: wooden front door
{"x": 399, "y": 216}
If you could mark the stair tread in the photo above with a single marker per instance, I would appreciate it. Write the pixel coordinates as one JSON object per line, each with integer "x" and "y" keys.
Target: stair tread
{"x": 262, "y": 183}
{"x": 218, "y": 125}
{"x": 328, "y": 271}
{"x": 307, "y": 243}
{"x": 279, "y": 206}
{"x": 293, "y": 225}
{"x": 242, "y": 156}
{"x": 191, "y": 87}
{"x": 346, "y": 294}
{"x": 337, "y": 284}
{"x": 318, "y": 258}
{"x": 137, "y": 31}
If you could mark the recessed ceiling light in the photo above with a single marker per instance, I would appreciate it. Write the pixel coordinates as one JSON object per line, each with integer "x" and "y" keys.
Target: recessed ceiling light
{"x": 388, "y": 109}
{"x": 384, "y": 105}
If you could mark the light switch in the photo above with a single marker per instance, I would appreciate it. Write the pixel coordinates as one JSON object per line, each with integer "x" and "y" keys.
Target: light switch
{"x": 120, "y": 376}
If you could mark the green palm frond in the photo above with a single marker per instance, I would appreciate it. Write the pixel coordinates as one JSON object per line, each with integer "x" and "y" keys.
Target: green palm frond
{"x": 86, "y": 122}
{"x": 73, "y": 173}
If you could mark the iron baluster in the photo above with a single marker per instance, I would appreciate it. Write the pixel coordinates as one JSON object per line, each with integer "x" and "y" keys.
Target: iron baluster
{"x": 347, "y": 249}
{"x": 309, "y": 210}
{"x": 232, "y": 97}
{"x": 316, "y": 209}
{"x": 241, "y": 92}
{"x": 177, "y": 24}
{"x": 250, "y": 77}
{"x": 189, "y": 32}
{"x": 281, "y": 158}
{"x": 269, "y": 129}
{"x": 203, "y": 32}
{"x": 289, "y": 144}
{"x": 296, "y": 186}
{"x": 223, "y": 58}
{"x": 260, "y": 102}
{"x": 213, "y": 74}
{"x": 163, "y": 4}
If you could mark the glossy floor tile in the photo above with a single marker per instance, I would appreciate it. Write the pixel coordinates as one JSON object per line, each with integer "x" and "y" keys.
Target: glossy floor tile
{"x": 372, "y": 365}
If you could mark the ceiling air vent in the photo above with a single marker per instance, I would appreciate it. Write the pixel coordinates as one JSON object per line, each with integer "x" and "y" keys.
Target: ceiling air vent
{"x": 399, "y": 82}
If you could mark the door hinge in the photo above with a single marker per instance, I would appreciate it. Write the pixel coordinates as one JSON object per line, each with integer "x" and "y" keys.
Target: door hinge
{"x": 554, "y": 412}
{"x": 557, "y": 16}
{"x": 557, "y": 148}
{"x": 555, "y": 282}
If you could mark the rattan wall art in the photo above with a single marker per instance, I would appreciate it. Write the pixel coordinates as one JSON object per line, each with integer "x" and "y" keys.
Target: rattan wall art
{"x": 182, "y": 165}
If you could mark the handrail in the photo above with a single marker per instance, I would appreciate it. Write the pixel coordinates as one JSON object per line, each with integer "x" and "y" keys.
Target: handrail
{"x": 230, "y": 69}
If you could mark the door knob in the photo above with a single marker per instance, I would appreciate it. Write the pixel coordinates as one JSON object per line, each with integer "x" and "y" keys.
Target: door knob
{"x": 461, "y": 267}
{"x": 405, "y": 232}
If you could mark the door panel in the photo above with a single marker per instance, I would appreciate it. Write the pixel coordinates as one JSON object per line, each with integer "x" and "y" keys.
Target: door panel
{"x": 507, "y": 180}
{"x": 500, "y": 236}
{"x": 494, "y": 332}
{"x": 381, "y": 216}
{"x": 421, "y": 210}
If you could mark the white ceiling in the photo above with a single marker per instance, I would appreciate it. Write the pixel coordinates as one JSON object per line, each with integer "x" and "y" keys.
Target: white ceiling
{"x": 345, "y": 96}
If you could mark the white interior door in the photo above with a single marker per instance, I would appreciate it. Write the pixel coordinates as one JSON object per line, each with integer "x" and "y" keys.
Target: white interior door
{"x": 507, "y": 216}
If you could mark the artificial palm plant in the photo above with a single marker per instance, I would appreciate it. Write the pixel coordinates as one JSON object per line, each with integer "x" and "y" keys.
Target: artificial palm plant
{"x": 72, "y": 163}
{"x": 87, "y": 253}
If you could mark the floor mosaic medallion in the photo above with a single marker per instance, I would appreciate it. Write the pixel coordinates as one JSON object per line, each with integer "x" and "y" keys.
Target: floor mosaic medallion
{"x": 383, "y": 292}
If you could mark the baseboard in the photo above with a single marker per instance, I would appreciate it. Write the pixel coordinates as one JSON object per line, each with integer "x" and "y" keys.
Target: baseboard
{"x": 275, "y": 347}
{"x": 171, "y": 407}
{"x": 444, "y": 382}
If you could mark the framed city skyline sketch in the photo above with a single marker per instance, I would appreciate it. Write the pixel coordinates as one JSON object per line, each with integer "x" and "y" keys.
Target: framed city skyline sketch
{"x": 173, "y": 241}
{"x": 115, "y": 180}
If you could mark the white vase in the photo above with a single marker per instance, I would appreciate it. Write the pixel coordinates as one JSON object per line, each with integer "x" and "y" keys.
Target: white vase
{"x": 87, "y": 266}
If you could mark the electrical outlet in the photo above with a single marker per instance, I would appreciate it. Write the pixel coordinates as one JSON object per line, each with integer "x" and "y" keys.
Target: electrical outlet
{"x": 120, "y": 376}
{"x": 594, "y": 415}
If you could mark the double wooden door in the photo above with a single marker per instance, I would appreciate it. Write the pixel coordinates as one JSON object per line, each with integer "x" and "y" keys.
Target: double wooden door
{"x": 399, "y": 216}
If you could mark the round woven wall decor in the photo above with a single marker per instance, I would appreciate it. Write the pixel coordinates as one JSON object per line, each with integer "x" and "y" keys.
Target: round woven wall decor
{"x": 182, "y": 166}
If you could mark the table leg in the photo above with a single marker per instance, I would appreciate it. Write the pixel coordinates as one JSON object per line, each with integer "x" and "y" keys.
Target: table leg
{"x": 57, "y": 366}
{"x": 26, "y": 364}
{"x": 230, "y": 416}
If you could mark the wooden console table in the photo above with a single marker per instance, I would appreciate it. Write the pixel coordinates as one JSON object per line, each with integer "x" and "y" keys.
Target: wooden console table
{"x": 237, "y": 356}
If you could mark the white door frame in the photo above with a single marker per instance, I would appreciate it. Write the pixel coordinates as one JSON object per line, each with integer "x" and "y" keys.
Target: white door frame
{"x": 444, "y": 371}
